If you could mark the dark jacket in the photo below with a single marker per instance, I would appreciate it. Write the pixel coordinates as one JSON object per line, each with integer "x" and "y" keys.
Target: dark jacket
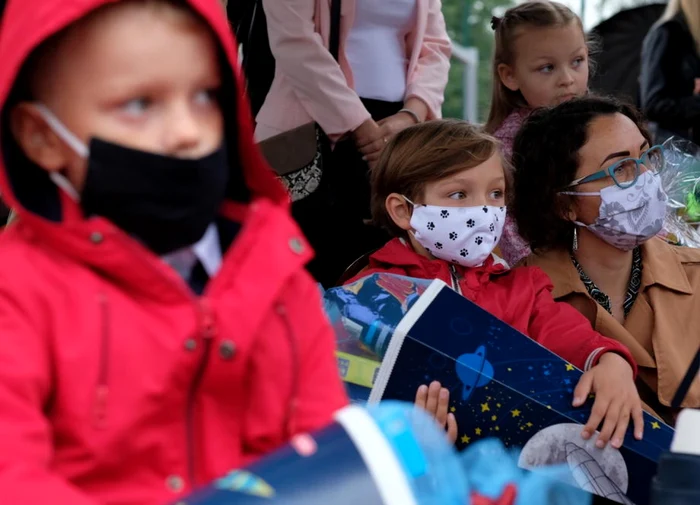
{"x": 670, "y": 65}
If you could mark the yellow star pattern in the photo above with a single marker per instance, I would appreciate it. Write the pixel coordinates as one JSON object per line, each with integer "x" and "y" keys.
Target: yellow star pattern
{"x": 516, "y": 413}
{"x": 498, "y": 405}
{"x": 493, "y": 418}
{"x": 478, "y": 431}
{"x": 452, "y": 409}
{"x": 655, "y": 425}
{"x": 528, "y": 424}
{"x": 510, "y": 369}
{"x": 569, "y": 367}
{"x": 465, "y": 439}
{"x": 497, "y": 428}
{"x": 485, "y": 407}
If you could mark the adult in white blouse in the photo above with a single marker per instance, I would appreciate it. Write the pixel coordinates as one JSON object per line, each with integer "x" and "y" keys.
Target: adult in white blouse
{"x": 391, "y": 73}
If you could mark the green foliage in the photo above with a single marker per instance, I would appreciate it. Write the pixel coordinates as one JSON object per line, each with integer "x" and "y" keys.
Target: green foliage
{"x": 469, "y": 23}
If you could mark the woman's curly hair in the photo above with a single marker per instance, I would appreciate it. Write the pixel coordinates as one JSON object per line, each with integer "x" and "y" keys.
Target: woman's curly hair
{"x": 545, "y": 158}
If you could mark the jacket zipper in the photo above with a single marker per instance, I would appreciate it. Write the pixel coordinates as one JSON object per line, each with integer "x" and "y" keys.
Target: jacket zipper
{"x": 294, "y": 390}
{"x": 102, "y": 390}
{"x": 207, "y": 330}
{"x": 455, "y": 279}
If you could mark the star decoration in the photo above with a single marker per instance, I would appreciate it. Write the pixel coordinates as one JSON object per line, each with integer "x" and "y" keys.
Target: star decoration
{"x": 507, "y": 497}
{"x": 465, "y": 439}
{"x": 528, "y": 424}
{"x": 498, "y": 405}
{"x": 510, "y": 369}
{"x": 569, "y": 367}
{"x": 655, "y": 425}
{"x": 493, "y": 418}
{"x": 516, "y": 413}
{"x": 478, "y": 431}
{"x": 452, "y": 409}
{"x": 485, "y": 407}
{"x": 497, "y": 428}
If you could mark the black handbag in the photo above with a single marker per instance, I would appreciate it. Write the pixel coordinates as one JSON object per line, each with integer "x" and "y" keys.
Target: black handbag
{"x": 297, "y": 156}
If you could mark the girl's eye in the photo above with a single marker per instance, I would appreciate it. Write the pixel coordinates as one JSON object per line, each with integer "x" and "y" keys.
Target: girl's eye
{"x": 459, "y": 195}
{"x": 137, "y": 106}
{"x": 547, "y": 69}
{"x": 579, "y": 61}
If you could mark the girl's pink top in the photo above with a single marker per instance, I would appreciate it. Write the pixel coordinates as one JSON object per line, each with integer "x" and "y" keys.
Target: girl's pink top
{"x": 513, "y": 247}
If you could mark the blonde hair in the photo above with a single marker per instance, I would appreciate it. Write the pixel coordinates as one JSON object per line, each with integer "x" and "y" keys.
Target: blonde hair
{"x": 534, "y": 14}
{"x": 690, "y": 10}
{"x": 422, "y": 154}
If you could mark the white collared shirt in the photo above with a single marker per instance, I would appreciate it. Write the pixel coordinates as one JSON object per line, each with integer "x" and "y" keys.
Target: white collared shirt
{"x": 207, "y": 250}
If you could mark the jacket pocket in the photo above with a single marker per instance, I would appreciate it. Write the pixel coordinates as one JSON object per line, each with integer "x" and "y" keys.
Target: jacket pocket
{"x": 99, "y": 411}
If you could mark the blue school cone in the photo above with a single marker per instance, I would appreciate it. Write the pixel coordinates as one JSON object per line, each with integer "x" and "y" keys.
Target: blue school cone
{"x": 387, "y": 454}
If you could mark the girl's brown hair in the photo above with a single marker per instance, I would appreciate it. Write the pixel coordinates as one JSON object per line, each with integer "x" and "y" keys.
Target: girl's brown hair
{"x": 422, "y": 154}
{"x": 536, "y": 14}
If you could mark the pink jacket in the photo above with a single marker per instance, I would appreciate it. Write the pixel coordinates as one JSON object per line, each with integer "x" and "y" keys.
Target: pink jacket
{"x": 310, "y": 86}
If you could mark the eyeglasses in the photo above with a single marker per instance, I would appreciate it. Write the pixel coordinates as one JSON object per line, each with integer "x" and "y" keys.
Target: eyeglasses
{"x": 626, "y": 171}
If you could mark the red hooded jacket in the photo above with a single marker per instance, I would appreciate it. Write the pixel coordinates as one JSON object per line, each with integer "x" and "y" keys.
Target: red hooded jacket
{"x": 117, "y": 384}
{"x": 521, "y": 297}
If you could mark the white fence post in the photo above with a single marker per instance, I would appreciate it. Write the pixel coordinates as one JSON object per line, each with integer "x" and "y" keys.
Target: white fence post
{"x": 470, "y": 83}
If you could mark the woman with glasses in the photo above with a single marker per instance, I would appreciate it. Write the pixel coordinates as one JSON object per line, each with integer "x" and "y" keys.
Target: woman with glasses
{"x": 589, "y": 200}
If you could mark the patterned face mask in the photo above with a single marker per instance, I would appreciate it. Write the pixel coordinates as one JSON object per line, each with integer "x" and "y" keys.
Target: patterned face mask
{"x": 631, "y": 216}
{"x": 462, "y": 235}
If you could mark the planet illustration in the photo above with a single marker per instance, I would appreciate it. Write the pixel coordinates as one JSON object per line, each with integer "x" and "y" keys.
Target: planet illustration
{"x": 474, "y": 371}
{"x": 599, "y": 471}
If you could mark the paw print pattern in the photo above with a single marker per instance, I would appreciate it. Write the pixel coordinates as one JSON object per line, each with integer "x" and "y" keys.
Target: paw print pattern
{"x": 444, "y": 214}
{"x": 471, "y": 223}
{"x": 492, "y": 227}
{"x": 438, "y": 245}
{"x": 464, "y": 253}
{"x": 485, "y": 209}
{"x": 453, "y": 236}
{"x": 501, "y": 208}
{"x": 479, "y": 240}
{"x": 431, "y": 225}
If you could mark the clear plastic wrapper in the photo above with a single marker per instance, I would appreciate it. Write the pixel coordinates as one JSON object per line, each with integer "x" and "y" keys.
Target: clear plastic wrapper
{"x": 680, "y": 179}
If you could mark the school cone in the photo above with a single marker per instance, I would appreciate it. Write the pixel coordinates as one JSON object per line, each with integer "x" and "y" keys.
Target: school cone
{"x": 387, "y": 454}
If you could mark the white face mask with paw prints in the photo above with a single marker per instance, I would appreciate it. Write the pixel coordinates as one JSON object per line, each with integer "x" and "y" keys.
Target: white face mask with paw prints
{"x": 463, "y": 235}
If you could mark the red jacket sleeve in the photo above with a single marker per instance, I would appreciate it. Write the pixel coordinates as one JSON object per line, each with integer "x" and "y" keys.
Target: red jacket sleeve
{"x": 563, "y": 330}
{"x": 25, "y": 433}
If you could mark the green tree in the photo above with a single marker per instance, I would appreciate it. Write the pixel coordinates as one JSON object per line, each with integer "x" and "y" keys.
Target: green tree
{"x": 469, "y": 23}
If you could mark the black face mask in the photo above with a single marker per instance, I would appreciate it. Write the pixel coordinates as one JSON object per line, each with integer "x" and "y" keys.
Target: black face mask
{"x": 166, "y": 203}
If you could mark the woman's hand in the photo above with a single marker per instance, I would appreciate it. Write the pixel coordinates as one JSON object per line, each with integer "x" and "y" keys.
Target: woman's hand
{"x": 435, "y": 400}
{"x": 616, "y": 400}
{"x": 369, "y": 140}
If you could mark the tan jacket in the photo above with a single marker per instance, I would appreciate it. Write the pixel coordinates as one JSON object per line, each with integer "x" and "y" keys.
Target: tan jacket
{"x": 663, "y": 328}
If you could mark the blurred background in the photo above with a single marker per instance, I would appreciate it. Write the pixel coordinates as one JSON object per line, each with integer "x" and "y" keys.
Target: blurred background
{"x": 468, "y": 22}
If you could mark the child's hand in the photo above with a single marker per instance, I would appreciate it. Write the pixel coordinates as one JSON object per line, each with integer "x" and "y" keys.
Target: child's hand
{"x": 435, "y": 400}
{"x": 616, "y": 399}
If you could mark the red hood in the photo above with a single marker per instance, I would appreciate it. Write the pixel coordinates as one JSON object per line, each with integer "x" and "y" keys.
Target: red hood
{"x": 26, "y": 188}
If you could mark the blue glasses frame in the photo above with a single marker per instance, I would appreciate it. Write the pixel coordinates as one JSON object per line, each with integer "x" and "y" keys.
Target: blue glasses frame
{"x": 610, "y": 171}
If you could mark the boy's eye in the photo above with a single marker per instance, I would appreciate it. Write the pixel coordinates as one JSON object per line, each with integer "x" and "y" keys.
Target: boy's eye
{"x": 206, "y": 96}
{"x": 546, "y": 69}
{"x": 136, "y": 106}
{"x": 458, "y": 195}
{"x": 497, "y": 194}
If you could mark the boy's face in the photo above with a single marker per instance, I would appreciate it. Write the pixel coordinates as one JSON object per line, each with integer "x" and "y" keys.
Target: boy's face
{"x": 482, "y": 185}
{"x": 145, "y": 77}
